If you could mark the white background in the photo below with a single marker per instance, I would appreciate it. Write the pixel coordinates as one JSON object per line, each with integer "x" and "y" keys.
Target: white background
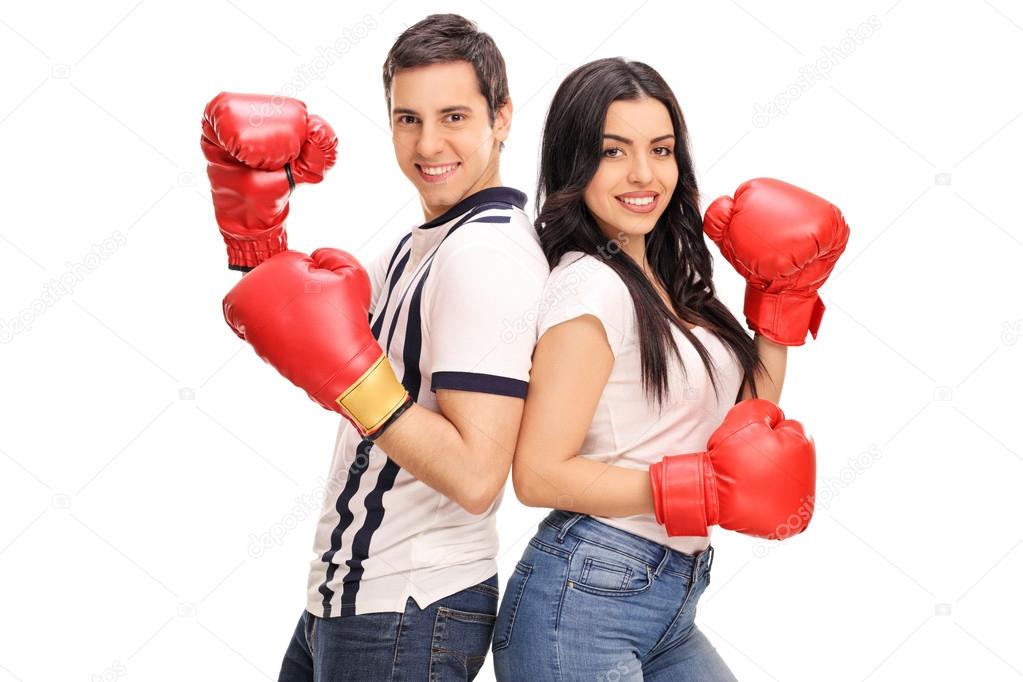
{"x": 143, "y": 447}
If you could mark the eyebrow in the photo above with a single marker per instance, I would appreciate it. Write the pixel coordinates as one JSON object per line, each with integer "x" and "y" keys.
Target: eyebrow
{"x": 628, "y": 141}
{"x": 445, "y": 110}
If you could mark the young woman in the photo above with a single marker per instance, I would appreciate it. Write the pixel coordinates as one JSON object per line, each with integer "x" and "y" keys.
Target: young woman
{"x": 637, "y": 360}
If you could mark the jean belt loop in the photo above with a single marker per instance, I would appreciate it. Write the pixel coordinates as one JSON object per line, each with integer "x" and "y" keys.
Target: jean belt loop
{"x": 694, "y": 573}
{"x": 710, "y": 558}
{"x": 566, "y": 526}
{"x": 663, "y": 562}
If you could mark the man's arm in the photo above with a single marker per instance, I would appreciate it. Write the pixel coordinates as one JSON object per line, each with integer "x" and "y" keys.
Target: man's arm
{"x": 482, "y": 289}
{"x": 254, "y": 166}
{"x": 465, "y": 452}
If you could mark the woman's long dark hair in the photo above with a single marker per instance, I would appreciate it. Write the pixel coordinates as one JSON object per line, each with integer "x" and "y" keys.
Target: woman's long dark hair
{"x": 675, "y": 249}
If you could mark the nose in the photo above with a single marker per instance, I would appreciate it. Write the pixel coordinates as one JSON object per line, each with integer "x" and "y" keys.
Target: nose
{"x": 431, "y": 142}
{"x": 640, "y": 172}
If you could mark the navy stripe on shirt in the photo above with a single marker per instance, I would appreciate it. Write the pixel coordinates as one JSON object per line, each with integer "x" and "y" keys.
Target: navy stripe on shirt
{"x": 412, "y": 380}
{"x": 345, "y": 519}
{"x": 398, "y": 271}
{"x": 479, "y": 383}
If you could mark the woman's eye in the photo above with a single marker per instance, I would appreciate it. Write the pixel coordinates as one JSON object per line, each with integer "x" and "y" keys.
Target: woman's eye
{"x": 663, "y": 151}
{"x": 610, "y": 152}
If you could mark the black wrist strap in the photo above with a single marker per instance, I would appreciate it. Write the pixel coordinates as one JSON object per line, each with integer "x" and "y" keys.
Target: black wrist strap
{"x": 390, "y": 420}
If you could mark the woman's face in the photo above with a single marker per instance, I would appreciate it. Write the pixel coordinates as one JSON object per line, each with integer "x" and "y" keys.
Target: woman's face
{"x": 637, "y": 172}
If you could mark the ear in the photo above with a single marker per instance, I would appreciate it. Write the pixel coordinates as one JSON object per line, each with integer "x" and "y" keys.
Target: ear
{"x": 502, "y": 121}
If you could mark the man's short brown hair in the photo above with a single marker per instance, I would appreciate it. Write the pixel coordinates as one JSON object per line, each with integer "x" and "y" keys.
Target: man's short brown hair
{"x": 443, "y": 38}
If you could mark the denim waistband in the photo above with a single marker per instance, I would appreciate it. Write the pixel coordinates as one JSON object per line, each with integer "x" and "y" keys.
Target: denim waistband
{"x": 657, "y": 556}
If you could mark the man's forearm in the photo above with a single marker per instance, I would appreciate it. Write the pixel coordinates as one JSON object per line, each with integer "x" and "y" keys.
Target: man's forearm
{"x": 431, "y": 448}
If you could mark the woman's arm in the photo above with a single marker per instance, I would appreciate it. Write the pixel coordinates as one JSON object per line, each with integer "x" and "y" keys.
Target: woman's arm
{"x": 571, "y": 365}
{"x": 774, "y": 357}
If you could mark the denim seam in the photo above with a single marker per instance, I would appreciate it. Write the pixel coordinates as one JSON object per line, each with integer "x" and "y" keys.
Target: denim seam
{"x": 397, "y": 641}
{"x": 466, "y": 616}
{"x": 440, "y": 635}
{"x": 557, "y": 624}
{"x": 549, "y": 549}
{"x": 676, "y": 573}
{"x": 609, "y": 548}
{"x": 526, "y": 571}
{"x": 678, "y": 614}
{"x": 660, "y": 648}
{"x": 663, "y": 563}
{"x": 439, "y": 624}
{"x": 485, "y": 589}
{"x": 310, "y": 640}
{"x": 563, "y": 531}
{"x": 671, "y": 626}
{"x": 689, "y": 590}
{"x": 564, "y": 591}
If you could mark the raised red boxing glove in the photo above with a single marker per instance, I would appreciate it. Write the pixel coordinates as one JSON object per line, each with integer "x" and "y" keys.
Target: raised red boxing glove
{"x": 307, "y": 316}
{"x": 784, "y": 241}
{"x": 258, "y": 147}
{"x": 757, "y": 477}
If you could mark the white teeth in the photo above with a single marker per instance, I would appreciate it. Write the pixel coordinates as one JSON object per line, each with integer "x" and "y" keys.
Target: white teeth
{"x": 438, "y": 170}
{"x": 645, "y": 201}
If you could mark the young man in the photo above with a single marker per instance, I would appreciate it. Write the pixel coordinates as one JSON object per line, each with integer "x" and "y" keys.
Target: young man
{"x": 404, "y": 581}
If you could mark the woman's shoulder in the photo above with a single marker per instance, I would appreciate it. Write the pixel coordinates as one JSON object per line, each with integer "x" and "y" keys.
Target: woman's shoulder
{"x": 576, "y": 268}
{"x": 582, "y": 284}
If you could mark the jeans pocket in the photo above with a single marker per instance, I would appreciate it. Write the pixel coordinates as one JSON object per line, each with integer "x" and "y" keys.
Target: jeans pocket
{"x": 461, "y": 640}
{"x": 600, "y": 570}
{"x": 510, "y": 605}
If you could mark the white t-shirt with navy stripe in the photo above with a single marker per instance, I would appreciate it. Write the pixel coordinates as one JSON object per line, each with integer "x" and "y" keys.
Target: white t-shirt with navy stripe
{"x": 627, "y": 429}
{"x": 454, "y": 305}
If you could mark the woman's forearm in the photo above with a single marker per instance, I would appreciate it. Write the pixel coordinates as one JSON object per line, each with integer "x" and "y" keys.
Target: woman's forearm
{"x": 582, "y": 485}
{"x": 774, "y": 356}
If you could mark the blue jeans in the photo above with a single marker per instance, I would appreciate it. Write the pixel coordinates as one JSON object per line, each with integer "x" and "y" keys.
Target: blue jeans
{"x": 592, "y": 602}
{"x": 448, "y": 640}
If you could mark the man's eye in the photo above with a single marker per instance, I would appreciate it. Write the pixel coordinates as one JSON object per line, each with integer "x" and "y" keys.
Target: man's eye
{"x": 406, "y": 119}
{"x": 456, "y": 118}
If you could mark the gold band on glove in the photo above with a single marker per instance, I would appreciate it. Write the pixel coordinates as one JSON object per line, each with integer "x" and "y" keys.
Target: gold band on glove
{"x": 375, "y": 398}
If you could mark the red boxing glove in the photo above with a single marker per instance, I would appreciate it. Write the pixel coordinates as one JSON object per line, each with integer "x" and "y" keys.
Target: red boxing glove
{"x": 258, "y": 147}
{"x": 308, "y": 317}
{"x": 757, "y": 477}
{"x": 784, "y": 241}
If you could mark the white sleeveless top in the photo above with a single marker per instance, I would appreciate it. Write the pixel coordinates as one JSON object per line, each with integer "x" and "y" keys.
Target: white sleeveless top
{"x": 627, "y": 429}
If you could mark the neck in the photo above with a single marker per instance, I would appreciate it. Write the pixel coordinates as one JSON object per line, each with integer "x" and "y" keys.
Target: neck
{"x": 493, "y": 180}
{"x": 635, "y": 248}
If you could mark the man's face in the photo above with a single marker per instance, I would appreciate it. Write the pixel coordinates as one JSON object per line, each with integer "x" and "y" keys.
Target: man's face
{"x": 442, "y": 136}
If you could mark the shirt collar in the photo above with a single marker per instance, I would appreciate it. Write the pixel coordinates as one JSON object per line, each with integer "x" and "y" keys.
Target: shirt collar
{"x": 504, "y": 195}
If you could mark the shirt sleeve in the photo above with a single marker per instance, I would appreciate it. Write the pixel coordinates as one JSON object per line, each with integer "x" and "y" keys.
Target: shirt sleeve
{"x": 587, "y": 287}
{"x": 480, "y": 313}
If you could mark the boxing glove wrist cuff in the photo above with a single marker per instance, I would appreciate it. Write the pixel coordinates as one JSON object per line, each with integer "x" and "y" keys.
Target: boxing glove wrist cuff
{"x": 375, "y": 399}
{"x": 680, "y": 488}
{"x": 245, "y": 253}
{"x": 783, "y": 317}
